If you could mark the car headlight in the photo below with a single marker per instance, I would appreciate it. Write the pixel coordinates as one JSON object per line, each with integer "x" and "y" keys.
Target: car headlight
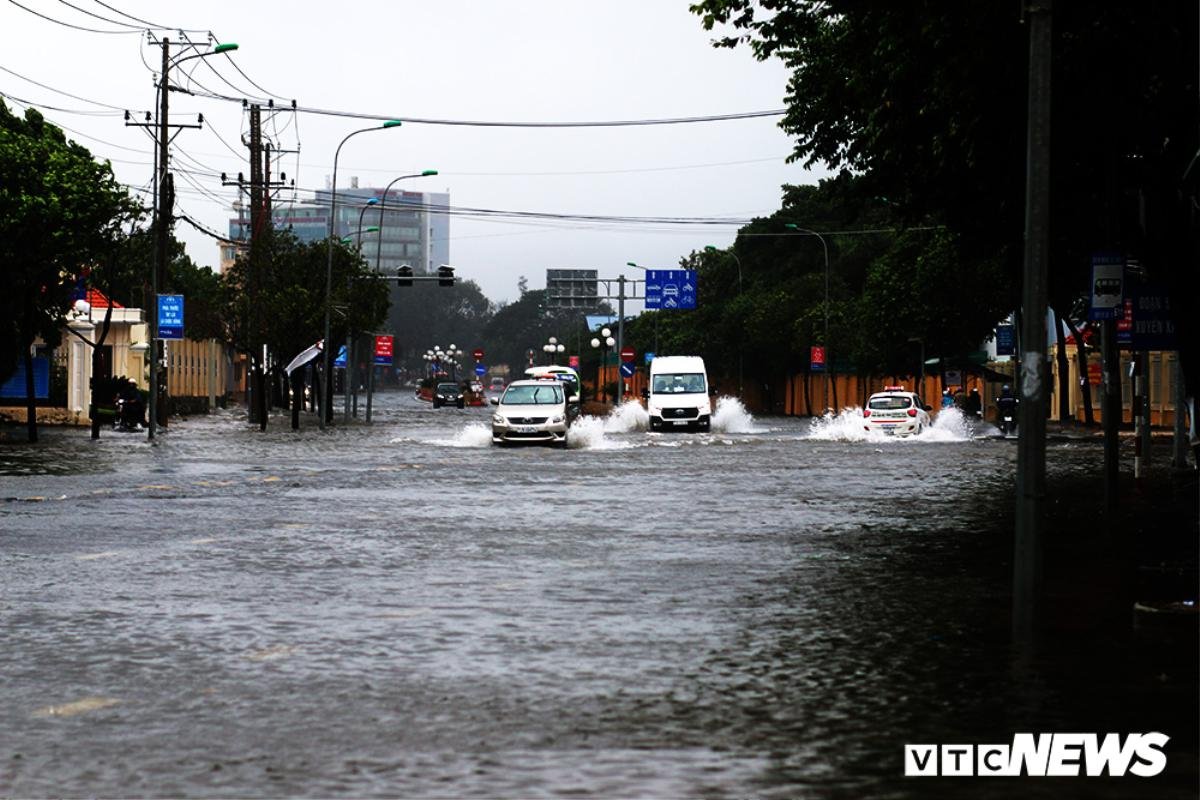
{"x": 498, "y": 420}
{"x": 557, "y": 419}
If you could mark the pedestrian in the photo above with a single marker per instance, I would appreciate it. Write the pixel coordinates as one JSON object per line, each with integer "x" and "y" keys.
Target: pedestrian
{"x": 947, "y": 399}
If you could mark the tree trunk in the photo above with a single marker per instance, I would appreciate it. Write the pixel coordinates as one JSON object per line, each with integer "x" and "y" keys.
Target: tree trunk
{"x": 96, "y": 369}
{"x": 30, "y": 401}
{"x": 808, "y": 393}
{"x": 832, "y": 378}
{"x": 1085, "y": 386}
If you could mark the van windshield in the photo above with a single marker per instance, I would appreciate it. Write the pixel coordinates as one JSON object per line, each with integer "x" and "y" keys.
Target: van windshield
{"x": 678, "y": 383}
{"x": 544, "y": 394}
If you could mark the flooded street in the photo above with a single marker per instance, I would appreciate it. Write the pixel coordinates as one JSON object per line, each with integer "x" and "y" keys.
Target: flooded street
{"x": 773, "y": 609}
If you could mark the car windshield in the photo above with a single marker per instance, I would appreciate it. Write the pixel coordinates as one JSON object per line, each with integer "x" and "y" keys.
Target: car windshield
{"x": 447, "y": 388}
{"x": 542, "y": 394}
{"x": 682, "y": 383}
{"x": 893, "y": 402}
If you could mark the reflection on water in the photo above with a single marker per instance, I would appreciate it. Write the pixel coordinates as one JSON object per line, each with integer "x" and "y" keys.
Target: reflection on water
{"x": 403, "y": 609}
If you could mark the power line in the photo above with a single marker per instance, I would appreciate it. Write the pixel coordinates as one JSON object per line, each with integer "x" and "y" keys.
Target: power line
{"x": 60, "y": 91}
{"x": 102, "y": 19}
{"x": 67, "y": 24}
{"x": 148, "y": 24}
{"x": 492, "y": 124}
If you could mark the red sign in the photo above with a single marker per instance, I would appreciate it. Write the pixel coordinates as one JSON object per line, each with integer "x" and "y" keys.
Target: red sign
{"x": 817, "y": 358}
{"x": 478, "y": 353}
{"x": 573, "y": 362}
{"x": 383, "y": 350}
{"x": 1094, "y": 375}
{"x": 627, "y": 354}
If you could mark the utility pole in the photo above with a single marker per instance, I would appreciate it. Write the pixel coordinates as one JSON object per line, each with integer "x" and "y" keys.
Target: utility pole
{"x": 257, "y": 408}
{"x": 164, "y": 201}
{"x": 1031, "y": 447}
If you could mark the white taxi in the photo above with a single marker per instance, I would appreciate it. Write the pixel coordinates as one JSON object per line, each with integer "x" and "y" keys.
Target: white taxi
{"x": 896, "y": 412}
{"x": 531, "y": 412}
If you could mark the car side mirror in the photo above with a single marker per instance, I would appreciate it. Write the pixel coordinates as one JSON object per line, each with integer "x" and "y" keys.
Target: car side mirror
{"x": 495, "y": 400}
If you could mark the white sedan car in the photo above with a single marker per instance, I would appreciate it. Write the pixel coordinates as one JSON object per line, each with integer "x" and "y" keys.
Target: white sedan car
{"x": 896, "y": 412}
{"x": 531, "y": 412}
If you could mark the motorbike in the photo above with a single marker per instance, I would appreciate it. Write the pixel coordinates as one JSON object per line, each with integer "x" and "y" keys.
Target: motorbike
{"x": 131, "y": 413}
{"x": 1007, "y": 414}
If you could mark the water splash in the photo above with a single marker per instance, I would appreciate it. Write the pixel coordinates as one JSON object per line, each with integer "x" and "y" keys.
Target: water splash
{"x": 949, "y": 425}
{"x": 732, "y": 417}
{"x": 591, "y": 433}
{"x": 476, "y": 434}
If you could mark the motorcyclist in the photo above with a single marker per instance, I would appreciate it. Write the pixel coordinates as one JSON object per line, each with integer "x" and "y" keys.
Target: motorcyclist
{"x": 1006, "y": 404}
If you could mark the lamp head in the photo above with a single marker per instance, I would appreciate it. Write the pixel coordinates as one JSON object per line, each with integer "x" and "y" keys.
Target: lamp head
{"x": 228, "y": 47}
{"x": 392, "y": 123}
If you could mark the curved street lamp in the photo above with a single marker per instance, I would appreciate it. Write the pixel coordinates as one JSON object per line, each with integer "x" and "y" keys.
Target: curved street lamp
{"x": 825, "y": 336}
{"x": 383, "y": 205}
{"x": 327, "y": 390}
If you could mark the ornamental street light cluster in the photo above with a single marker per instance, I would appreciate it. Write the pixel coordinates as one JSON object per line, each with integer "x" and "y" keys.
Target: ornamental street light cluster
{"x": 552, "y": 348}
{"x": 604, "y": 342}
{"x": 443, "y": 362}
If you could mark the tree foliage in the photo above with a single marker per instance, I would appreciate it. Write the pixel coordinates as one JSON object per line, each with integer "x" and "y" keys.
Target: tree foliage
{"x": 60, "y": 211}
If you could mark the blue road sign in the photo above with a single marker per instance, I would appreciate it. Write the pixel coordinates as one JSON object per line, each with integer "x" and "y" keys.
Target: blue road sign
{"x": 627, "y": 369}
{"x": 170, "y": 316}
{"x": 1108, "y": 287}
{"x": 480, "y": 370}
{"x": 340, "y": 361}
{"x": 671, "y": 288}
{"x": 1005, "y": 340}
{"x": 1153, "y": 326}
{"x": 648, "y": 357}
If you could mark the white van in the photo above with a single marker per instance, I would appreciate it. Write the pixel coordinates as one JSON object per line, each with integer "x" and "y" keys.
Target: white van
{"x": 678, "y": 397}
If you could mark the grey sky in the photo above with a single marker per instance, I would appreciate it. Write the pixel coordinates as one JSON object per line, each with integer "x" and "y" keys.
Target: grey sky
{"x": 513, "y": 61}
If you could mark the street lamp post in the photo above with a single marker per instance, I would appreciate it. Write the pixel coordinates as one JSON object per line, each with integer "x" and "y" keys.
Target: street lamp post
{"x": 350, "y": 385}
{"x": 825, "y": 336}
{"x": 602, "y": 343}
{"x": 383, "y": 205}
{"x": 327, "y": 390}
{"x": 552, "y": 348}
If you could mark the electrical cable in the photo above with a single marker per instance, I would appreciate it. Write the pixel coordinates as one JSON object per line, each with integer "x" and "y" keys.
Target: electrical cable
{"x": 60, "y": 91}
{"x": 490, "y": 124}
{"x": 80, "y": 112}
{"x": 148, "y": 24}
{"x": 68, "y": 24}
{"x": 122, "y": 23}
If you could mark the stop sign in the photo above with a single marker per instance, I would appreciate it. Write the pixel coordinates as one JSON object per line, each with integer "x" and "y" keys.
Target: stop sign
{"x": 627, "y": 354}
{"x": 478, "y": 353}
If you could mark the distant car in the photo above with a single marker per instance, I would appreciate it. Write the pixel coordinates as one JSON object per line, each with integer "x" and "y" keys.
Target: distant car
{"x": 896, "y": 412}
{"x": 448, "y": 394}
{"x": 531, "y": 412}
{"x": 497, "y": 384}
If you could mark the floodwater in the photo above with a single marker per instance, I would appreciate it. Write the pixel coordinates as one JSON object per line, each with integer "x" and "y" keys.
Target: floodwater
{"x": 773, "y": 609}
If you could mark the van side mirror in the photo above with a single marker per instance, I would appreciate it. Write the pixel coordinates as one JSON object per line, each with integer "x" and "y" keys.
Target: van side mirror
{"x": 645, "y": 394}
{"x": 712, "y": 391}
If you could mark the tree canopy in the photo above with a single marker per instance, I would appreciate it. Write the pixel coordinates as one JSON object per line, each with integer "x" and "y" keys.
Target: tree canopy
{"x": 60, "y": 211}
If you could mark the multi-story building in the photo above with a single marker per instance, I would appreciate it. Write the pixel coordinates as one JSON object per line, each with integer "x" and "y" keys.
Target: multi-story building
{"x": 414, "y": 228}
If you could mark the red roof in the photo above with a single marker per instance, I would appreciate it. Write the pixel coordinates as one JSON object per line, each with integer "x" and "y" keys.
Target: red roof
{"x": 97, "y": 299}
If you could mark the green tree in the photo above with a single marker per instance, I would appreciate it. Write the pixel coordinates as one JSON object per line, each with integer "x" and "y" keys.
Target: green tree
{"x": 927, "y": 102}
{"x": 60, "y": 210}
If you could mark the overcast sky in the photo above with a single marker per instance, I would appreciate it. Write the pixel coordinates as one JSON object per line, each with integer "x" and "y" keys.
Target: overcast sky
{"x": 549, "y": 61}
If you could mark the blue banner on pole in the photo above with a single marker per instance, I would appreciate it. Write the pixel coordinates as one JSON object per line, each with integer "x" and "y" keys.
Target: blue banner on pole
{"x": 340, "y": 360}
{"x": 1005, "y": 340}
{"x": 170, "y": 316}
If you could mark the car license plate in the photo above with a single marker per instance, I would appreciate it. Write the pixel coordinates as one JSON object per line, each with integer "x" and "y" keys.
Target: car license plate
{"x": 526, "y": 429}
{"x": 679, "y": 422}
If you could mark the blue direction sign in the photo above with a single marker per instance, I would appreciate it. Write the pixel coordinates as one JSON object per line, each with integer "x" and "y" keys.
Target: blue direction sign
{"x": 480, "y": 370}
{"x": 671, "y": 288}
{"x": 627, "y": 369}
{"x": 1108, "y": 287}
{"x": 170, "y": 316}
{"x": 648, "y": 357}
{"x": 340, "y": 361}
{"x": 1153, "y": 327}
{"x": 1005, "y": 340}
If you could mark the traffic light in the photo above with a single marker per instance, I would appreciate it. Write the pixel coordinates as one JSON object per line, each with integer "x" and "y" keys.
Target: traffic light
{"x": 445, "y": 275}
{"x": 404, "y": 276}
